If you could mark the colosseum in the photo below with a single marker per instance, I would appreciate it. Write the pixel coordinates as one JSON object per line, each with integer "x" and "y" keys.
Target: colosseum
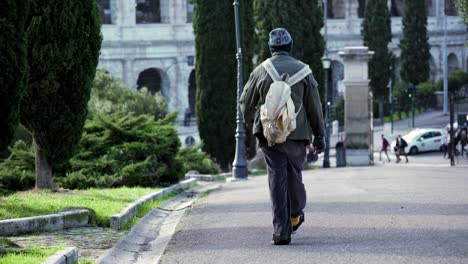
{"x": 151, "y": 43}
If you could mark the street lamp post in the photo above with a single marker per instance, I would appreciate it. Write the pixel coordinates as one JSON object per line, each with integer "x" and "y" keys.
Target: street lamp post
{"x": 239, "y": 170}
{"x": 326, "y": 63}
{"x": 445, "y": 69}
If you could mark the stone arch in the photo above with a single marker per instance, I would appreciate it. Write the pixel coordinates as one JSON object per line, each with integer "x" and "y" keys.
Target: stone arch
{"x": 192, "y": 91}
{"x": 450, "y": 8}
{"x": 155, "y": 80}
{"x": 433, "y": 69}
{"x": 148, "y": 11}
{"x": 336, "y": 9}
{"x": 361, "y": 7}
{"x": 452, "y": 62}
{"x": 190, "y": 11}
{"x": 396, "y": 8}
{"x": 337, "y": 76}
{"x": 105, "y": 8}
{"x": 430, "y": 8}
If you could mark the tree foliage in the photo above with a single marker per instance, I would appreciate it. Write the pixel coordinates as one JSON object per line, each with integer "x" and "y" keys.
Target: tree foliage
{"x": 110, "y": 95}
{"x": 303, "y": 19}
{"x": 376, "y": 32}
{"x": 414, "y": 43}
{"x": 216, "y": 77}
{"x": 63, "y": 56}
{"x": 13, "y": 65}
{"x": 463, "y": 7}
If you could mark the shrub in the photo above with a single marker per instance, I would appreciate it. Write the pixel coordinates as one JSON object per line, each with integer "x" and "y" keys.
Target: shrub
{"x": 110, "y": 95}
{"x": 17, "y": 172}
{"x": 123, "y": 149}
{"x": 194, "y": 159}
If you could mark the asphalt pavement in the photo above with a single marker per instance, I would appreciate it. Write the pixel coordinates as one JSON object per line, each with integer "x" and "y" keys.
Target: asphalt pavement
{"x": 381, "y": 214}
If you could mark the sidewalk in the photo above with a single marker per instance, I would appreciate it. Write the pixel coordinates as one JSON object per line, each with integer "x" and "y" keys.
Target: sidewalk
{"x": 354, "y": 215}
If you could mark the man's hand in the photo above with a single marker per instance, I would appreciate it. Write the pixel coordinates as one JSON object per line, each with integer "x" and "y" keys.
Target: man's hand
{"x": 319, "y": 144}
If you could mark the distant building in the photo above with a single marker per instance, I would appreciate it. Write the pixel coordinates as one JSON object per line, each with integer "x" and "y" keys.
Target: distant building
{"x": 151, "y": 43}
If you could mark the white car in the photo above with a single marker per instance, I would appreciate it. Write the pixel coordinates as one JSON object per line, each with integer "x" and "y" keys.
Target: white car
{"x": 423, "y": 139}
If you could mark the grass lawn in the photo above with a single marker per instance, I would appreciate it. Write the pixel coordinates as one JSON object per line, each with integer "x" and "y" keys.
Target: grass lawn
{"x": 33, "y": 256}
{"x": 105, "y": 202}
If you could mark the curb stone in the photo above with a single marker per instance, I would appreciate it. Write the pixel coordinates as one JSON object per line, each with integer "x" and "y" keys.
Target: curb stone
{"x": 63, "y": 220}
{"x": 147, "y": 241}
{"x": 208, "y": 177}
{"x": 126, "y": 215}
{"x": 68, "y": 255}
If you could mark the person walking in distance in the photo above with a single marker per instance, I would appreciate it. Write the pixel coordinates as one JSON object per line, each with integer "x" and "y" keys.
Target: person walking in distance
{"x": 401, "y": 144}
{"x": 384, "y": 148}
{"x": 282, "y": 103}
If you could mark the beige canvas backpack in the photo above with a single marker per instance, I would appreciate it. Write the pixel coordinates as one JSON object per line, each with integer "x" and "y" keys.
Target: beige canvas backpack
{"x": 277, "y": 114}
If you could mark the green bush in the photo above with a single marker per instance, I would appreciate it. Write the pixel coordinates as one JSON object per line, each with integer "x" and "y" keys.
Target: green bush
{"x": 123, "y": 149}
{"x": 110, "y": 95}
{"x": 124, "y": 142}
{"x": 17, "y": 172}
{"x": 195, "y": 159}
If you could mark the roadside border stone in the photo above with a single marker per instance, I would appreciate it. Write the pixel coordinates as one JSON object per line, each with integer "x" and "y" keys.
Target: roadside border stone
{"x": 208, "y": 177}
{"x": 68, "y": 255}
{"x": 117, "y": 221}
{"x": 63, "y": 220}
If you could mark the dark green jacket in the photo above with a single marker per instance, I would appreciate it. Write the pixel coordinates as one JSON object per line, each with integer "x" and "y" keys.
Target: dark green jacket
{"x": 309, "y": 120}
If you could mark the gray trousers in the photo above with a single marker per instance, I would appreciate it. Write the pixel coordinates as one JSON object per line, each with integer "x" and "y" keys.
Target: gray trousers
{"x": 288, "y": 196}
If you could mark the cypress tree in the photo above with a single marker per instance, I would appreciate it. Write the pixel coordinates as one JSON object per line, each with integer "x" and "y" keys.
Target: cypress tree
{"x": 377, "y": 33}
{"x": 414, "y": 43}
{"x": 303, "y": 19}
{"x": 13, "y": 65}
{"x": 248, "y": 50}
{"x": 63, "y": 56}
{"x": 216, "y": 78}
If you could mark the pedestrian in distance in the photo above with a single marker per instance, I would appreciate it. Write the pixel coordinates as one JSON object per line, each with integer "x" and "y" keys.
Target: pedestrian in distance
{"x": 400, "y": 146}
{"x": 282, "y": 103}
{"x": 384, "y": 148}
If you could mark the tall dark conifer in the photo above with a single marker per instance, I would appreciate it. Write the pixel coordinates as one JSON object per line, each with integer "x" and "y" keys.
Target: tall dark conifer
{"x": 13, "y": 65}
{"x": 377, "y": 34}
{"x": 65, "y": 39}
{"x": 216, "y": 75}
{"x": 303, "y": 19}
{"x": 414, "y": 43}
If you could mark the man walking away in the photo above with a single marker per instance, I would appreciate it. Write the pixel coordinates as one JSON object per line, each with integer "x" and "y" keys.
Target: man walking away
{"x": 300, "y": 117}
{"x": 401, "y": 144}
{"x": 384, "y": 148}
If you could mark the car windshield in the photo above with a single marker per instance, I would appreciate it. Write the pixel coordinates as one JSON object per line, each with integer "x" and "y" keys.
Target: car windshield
{"x": 413, "y": 135}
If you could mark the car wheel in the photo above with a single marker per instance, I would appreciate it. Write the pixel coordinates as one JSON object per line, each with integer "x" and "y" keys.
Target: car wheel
{"x": 413, "y": 150}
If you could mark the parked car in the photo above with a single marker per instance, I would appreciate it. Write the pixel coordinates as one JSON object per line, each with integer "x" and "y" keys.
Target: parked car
{"x": 423, "y": 139}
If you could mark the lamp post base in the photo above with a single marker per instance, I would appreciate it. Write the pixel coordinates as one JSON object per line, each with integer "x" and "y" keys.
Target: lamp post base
{"x": 239, "y": 174}
{"x": 232, "y": 179}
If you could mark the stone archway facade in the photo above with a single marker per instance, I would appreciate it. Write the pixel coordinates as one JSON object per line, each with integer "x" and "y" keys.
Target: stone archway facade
{"x": 130, "y": 48}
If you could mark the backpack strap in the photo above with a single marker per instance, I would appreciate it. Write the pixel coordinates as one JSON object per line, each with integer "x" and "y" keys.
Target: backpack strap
{"x": 299, "y": 76}
{"x": 270, "y": 68}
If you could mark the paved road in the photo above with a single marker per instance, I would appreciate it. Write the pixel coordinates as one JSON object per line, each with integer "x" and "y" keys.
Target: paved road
{"x": 381, "y": 214}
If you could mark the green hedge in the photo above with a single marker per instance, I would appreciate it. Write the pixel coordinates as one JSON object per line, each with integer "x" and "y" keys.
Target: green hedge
{"x": 123, "y": 149}
{"x": 195, "y": 159}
